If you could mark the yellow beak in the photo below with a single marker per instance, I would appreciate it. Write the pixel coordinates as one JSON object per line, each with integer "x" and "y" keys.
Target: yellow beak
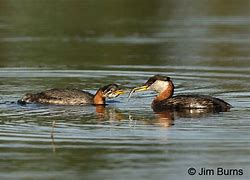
{"x": 118, "y": 92}
{"x": 137, "y": 89}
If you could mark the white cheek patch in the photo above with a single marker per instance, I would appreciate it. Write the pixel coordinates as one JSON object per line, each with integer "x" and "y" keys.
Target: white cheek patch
{"x": 159, "y": 86}
{"x": 111, "y": 95}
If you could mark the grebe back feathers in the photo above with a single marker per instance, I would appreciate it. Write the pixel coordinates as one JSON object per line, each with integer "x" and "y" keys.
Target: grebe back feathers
{"x": 72, "y": 96}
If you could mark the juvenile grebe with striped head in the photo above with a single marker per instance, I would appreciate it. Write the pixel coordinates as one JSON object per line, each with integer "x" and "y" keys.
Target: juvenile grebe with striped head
{"x": 165, "y": 100}
{"x": 73, "y": 96}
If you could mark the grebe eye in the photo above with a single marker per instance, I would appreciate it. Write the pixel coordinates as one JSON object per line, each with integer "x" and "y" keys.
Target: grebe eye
{"x": 167, "y": 78}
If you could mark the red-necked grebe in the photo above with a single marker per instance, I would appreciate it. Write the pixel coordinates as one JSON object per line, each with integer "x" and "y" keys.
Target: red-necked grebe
{"x": 166, "y": 101}
{"x": 72, "y": 96}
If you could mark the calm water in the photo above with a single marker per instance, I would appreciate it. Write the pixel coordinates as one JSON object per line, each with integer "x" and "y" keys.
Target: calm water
{"x": 202, "y": 45}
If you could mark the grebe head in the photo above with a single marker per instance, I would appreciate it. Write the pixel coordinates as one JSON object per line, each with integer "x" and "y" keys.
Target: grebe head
{"x": 156, "y": 83}
{"x": 111, "y": 91}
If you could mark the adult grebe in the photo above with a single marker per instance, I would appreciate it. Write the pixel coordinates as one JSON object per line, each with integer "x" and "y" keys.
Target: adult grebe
{"x": 166, "y": 101}
{"x": 72, "y": 96}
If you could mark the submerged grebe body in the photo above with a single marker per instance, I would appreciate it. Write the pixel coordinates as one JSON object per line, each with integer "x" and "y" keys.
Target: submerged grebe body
{"x": 166, "y": 101}
{"x": 72, "y": 96}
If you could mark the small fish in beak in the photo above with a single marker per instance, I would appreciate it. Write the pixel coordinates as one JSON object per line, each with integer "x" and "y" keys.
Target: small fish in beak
{"x": 137, "y": 89}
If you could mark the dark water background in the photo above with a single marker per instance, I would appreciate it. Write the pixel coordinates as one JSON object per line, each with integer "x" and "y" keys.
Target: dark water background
{"x": 203, "y": 45}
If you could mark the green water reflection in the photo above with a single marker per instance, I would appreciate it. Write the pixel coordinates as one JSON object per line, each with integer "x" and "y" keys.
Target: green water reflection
{"x": 80, "y": 34}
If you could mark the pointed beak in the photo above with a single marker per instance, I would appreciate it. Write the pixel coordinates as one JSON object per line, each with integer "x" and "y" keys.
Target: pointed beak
{"x": 137, "y": 89}
{"x": 113, "y": 94}
{"x": 119, "y": 92}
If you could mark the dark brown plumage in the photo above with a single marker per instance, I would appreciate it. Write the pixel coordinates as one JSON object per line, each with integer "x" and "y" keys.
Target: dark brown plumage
{"x": 72, "y": 96}
{"x": 191, "y": 102}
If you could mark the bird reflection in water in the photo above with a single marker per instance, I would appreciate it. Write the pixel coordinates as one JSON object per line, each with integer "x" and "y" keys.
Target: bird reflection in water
{"x": 165, "y": 119}
{"x": 104, "y": 112}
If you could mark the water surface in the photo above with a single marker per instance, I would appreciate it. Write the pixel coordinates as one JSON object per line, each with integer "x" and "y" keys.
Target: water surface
{"x": 202, "y": 46}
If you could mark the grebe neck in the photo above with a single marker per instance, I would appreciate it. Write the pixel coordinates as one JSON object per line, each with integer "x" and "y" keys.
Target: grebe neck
{"x": 99, "y": 98}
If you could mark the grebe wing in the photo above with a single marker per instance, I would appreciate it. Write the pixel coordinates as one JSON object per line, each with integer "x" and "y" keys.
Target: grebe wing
{"x": 59, "y": 96}
{"x": 66, "y": 93}
{"x": 193, "y": 102}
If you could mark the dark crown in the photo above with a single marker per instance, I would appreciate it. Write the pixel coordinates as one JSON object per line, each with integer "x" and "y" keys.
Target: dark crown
{"x": 110, "y": 87}
{"x": 155, "y": 78}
